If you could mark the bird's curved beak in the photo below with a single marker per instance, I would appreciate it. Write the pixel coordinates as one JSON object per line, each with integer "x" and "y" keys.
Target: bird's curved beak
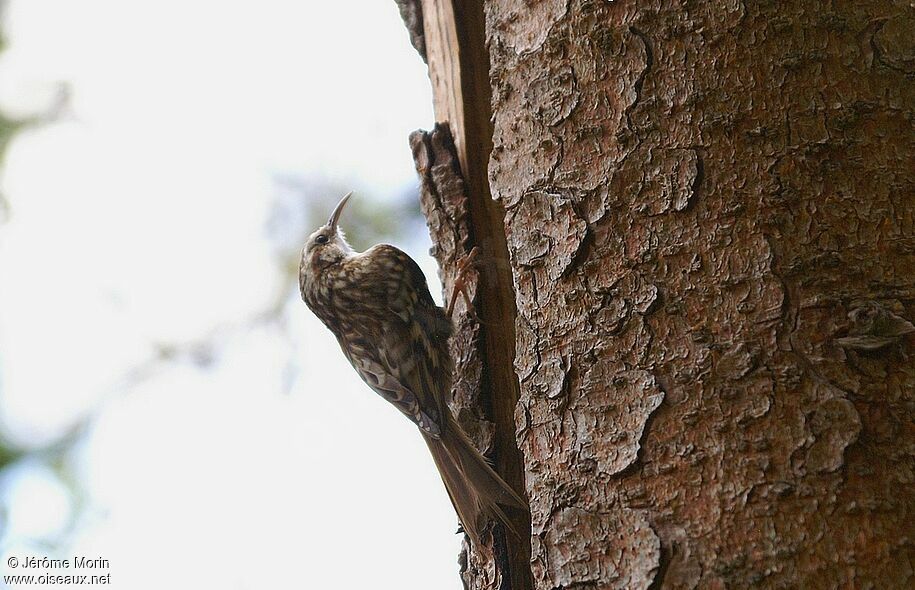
{"x": 335, "y": 216}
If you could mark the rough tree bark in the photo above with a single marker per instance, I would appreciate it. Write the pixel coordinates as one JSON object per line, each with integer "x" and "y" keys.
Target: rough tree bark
{"x": 697, "y": 287}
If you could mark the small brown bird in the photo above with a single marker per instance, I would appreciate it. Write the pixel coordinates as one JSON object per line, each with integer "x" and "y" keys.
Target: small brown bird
{"x": 378, "y": 306}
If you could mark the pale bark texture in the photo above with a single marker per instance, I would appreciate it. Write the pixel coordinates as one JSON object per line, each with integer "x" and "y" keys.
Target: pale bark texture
{"x": 697, "y": 288}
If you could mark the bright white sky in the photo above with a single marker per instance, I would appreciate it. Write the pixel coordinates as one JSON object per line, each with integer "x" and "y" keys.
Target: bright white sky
{"x": 138, "y": 217}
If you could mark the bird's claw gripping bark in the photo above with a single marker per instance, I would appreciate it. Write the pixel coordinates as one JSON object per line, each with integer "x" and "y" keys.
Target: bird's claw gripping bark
{"x": 460, "y": 285}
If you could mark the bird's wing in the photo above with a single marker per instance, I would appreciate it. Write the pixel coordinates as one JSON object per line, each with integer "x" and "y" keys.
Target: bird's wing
{"x": 406, "y": 359}
{"x": 385, "y": 384}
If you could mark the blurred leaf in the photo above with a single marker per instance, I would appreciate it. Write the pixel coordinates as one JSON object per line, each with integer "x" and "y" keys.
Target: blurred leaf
{"x": 8, "y": 454}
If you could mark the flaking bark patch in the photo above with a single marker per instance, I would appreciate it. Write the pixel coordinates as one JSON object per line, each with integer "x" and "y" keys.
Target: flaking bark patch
{"x": 557, "y": 238}
{"x": 608, "y": 423}
{"x": 411, "y": 11}
{"x": 575, "y": 554}
{"x": 670, "y": 179}
{"x": 552, "y": 96}
{"x": 525, "y": 24}
{"x": 834, "y": 425}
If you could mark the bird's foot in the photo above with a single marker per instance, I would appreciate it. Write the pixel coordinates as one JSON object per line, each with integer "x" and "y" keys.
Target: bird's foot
{"x": 460, "y": 284}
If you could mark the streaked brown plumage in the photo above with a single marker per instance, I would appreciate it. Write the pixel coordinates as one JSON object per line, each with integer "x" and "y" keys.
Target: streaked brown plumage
{"x": 378, "y": 306}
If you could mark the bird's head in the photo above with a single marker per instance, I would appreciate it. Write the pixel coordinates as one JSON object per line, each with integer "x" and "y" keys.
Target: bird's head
{"x": 327, "y": 245}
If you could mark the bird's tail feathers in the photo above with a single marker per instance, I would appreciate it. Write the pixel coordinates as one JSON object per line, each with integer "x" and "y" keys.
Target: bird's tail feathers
{"x": 474, "y": 487}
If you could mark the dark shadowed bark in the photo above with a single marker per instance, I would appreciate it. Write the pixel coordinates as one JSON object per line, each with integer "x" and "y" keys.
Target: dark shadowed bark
{"x": 697, "y": 287}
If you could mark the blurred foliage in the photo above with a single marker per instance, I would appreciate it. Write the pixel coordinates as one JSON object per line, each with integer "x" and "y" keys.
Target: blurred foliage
{"x": 53, "y": 455}
{"x": 8, "y": 454}
{"x": 8, "y": 128}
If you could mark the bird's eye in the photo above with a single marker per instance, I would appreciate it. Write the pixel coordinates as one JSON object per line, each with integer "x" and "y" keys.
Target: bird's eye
{"x": 321, "y": 239}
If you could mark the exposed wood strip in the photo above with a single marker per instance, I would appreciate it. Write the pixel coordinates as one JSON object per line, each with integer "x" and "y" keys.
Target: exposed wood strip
{"x": 459, "y": 71}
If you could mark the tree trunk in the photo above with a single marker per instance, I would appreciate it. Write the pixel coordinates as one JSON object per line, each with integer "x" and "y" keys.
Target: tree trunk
{"x": 698, "y": 281}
